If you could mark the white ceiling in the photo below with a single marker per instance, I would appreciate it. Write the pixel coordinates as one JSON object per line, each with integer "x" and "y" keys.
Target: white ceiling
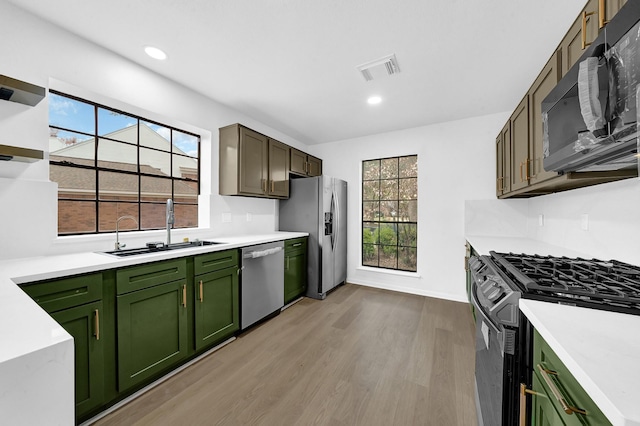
{"x": 292, "y": 63}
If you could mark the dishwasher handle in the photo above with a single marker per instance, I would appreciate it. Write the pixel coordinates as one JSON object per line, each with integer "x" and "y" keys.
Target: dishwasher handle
{"x": 261, "y": 253}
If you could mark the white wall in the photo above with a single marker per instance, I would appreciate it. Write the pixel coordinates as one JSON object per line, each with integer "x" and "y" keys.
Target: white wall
{"x": 42, "y": 54}
{"x": 456, "y": 162}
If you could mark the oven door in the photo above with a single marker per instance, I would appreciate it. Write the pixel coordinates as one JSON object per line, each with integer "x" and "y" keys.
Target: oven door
{"x": 496, "y": 369}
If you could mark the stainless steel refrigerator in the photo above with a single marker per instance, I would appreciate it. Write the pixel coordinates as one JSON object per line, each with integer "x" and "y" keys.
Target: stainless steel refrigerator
{"x": 318, "y": 206}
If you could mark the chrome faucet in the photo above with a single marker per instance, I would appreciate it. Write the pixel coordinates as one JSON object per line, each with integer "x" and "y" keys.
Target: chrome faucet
{"x": 171, "y": 219}
{"x": 118, "y": 245}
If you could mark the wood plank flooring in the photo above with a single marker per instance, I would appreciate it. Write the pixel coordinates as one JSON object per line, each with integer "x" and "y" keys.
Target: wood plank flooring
{"x": 363, "y": 356}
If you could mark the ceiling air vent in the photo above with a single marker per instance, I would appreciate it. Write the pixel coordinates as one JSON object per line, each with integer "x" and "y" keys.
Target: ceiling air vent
{"x": 387, "y": 65}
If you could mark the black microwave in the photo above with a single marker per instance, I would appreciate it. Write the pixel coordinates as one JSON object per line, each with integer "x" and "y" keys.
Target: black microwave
{"x": 590, "y": 117}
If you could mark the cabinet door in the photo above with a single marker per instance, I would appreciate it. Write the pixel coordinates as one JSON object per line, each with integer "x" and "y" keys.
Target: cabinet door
{"x": 542, "y": 411}
{"x": 152, "y": 332}
{"x": 83, "y": 324}
{"x": 314, "y": 166}
{"x": 506, "y": 158}
{"x": 545, "y": 82}
{"x": 217, "y": 307}
{"x": 298, "y": 163}
{"x": 253, "y": 159}
{"x": 278, "y": 169}
{"x": 611, "y": 7}
{"x": 571, "y": 45}
{"x": 295, "y": 275}
{"x": 520, "y": 145}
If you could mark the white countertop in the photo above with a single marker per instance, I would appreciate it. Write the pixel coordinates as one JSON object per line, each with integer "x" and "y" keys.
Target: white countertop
{"x": 601, "y": 349}
{"x": 25, "y": 327}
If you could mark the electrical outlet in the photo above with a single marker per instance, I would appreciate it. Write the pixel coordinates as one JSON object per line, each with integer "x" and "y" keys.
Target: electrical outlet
{"x": 540, "y": 220}
{"x": 584, "y": 222}
{"x": 249, "y": 217}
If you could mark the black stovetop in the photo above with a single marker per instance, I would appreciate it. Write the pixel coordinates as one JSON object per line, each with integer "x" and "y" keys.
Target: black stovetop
{"x": 608, "y": 285}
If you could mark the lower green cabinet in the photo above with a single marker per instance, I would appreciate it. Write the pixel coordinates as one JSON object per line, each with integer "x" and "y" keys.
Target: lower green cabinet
{"x": 216, "y": 305}
{"x": 295, "y": 269}
{"x": 552, "y": 381}
{"x": 151, "y": 330}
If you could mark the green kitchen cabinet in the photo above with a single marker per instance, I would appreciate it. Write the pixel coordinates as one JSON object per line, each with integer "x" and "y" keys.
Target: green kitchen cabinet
{"x": 553, "y": 382}
{"x": 76, "y": 304}
{"x": 216, "y": 297}
{"x": 152, "y": 310}
{"x": 295, "y": 269}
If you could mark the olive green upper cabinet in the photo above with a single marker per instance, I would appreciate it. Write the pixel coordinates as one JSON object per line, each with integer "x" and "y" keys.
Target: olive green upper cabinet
{"x": 503, "y": 161}
{"x": 583, "y": 31}
{"x": 519, "y": 122}
{"x": 542, "y": 86}
{"x": 303, "y": 164}
{"x": 252, "y": 164}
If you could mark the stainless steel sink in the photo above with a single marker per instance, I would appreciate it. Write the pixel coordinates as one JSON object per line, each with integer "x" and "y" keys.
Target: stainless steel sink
{"x": 153, "y": 248}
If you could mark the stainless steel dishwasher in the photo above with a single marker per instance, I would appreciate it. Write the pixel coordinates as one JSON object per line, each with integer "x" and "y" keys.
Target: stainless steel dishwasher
{"x": 262, "y": 285}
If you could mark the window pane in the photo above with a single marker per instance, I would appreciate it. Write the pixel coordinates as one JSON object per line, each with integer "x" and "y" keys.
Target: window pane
{"x": 184, "y": 167}
{"x": 73, "y": 182}
{"x": 73, "y": 147}
{"x": 110, "y": 212}
{"x": 407, "y": 259}
{"x": 408, "y": 234}
{"x": 186, "y": 216}
{"x": 389, "y": 168}
{"x": 117, "y": 155}
{"x": 371, "y": 210}
{"x": 155, "y": 162}
{"x": 155, "y": 136}
{"x": 71, "y": 114}
{"x": 389, "y": 189}
{"x": 153, "y": 216}
{"x": 155, "y": 189}
{"x": 409, "y": 189}
{"x": 388, "y": 234}
{"x": 117, "y": 126}
{"x": 185, "y": 192}
{"x": 408, "y": 211}
{"x": 371, "y": 190}
{"x": 371, "y": 170}
{"x": 184, "y": 143}
{"x": 388, "y": 257}
{"x": 370, "y": 233}
{"x": 388, "y": 211}
{"x": 117, "y": 186}
{"x": 76, "y": 217}
{"x": 370, "y": 255}
{"x": 408, "y": 166}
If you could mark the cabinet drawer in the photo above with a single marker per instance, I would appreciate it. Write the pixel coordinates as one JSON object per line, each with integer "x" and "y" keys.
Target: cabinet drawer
{"x": 149, "y": 275}
{"x": 65, "y": 293}
{"x": 291, "y": 247}
{"x": 566, "y": 385}
{"x": 215, "y": 261}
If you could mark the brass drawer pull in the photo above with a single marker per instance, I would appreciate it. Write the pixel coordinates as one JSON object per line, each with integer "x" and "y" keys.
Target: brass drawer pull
{"x": 273, "y": 186}
{"x": 601, "y": 14}
{"x": 523, "y": 402}
{"x": 97, "y": 324}
{"x": 296, "y": 245}
{"x": 556, "y": 393}
{"x": 201, "y": 292}
{"x": 184, "y": 295}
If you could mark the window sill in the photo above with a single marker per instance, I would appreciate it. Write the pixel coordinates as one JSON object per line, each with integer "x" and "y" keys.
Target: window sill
{"x": 389, "y": 271}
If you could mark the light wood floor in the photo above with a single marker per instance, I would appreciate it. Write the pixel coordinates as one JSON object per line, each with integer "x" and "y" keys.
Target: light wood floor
{"x": 362, "y": 356}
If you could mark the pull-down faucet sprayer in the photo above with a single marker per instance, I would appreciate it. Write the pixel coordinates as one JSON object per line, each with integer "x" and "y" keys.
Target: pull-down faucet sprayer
{"x": 171, "y": 219}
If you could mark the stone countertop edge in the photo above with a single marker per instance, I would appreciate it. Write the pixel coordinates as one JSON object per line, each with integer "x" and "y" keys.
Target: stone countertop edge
{"x": 600, "y": 348}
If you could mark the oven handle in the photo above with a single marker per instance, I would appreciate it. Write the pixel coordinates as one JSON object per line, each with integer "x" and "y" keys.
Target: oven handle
{"x": 479, "y": 309}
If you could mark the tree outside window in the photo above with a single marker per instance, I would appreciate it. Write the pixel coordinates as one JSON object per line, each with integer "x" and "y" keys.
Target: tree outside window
{"x": 390, "y": 213}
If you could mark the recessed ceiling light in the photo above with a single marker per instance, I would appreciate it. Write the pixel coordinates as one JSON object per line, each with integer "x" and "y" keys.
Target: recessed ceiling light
{"x": 155, "y": 53}
{"x": 374, "y": 100}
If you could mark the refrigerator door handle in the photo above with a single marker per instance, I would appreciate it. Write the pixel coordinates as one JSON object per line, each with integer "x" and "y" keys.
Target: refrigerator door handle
{"x": 333, "y": 220}
{"x": 336, "y": 219}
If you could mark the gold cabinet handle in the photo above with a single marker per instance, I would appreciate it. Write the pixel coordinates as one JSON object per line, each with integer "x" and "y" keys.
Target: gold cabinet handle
{"x": 526, "y": 170}
{"x": 96, "y": 317}
{"x": 305, "y": 167}
{"x": 184, "y": 295}
{"x": 297, "y": 245}
{"x": 556, "y": 393}
{"x": 264, "y": 185}
{"x": 201, "y": 292}
{"x": 521, "y": 178}
{"x": 602, "y": 14}
{"x": 584, "y": 28}
{"x": 273, "y": 186}
{"x": 523, "y": 402}
{"x": 286, "y": 268}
